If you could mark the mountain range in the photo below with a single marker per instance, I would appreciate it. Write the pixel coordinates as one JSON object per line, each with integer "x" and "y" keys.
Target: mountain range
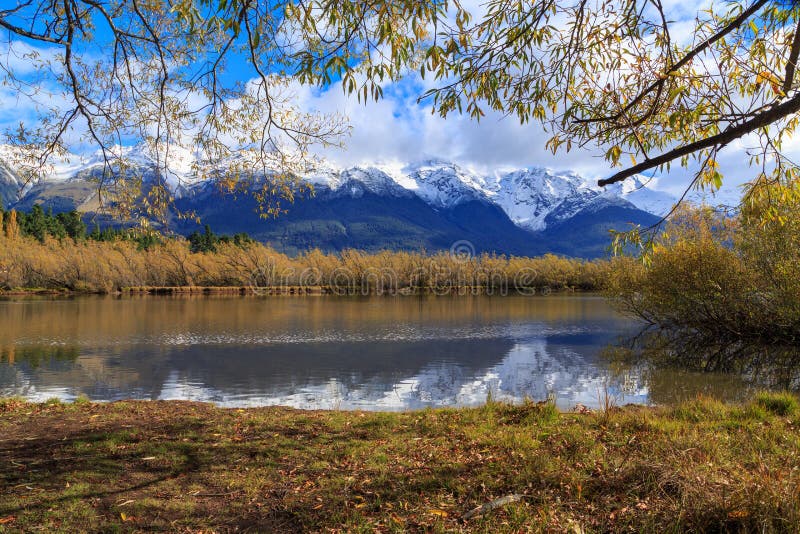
{"x": 427, "y": 205}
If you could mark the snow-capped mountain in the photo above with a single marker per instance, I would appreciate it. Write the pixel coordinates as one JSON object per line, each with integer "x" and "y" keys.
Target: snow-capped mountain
{"x": 358, "y": 180}
{"x": 9, "y": 185}
{"x": 426, "y": 205}
{"x": 442, "y": 183}
{"x": 532, "y": 198}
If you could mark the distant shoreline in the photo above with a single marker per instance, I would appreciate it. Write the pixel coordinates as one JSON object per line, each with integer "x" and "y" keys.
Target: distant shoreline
{"x": 301, "y": 291}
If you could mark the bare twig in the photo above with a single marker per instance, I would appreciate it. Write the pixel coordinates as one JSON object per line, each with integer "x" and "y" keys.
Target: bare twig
{"x": 493, "y": 505}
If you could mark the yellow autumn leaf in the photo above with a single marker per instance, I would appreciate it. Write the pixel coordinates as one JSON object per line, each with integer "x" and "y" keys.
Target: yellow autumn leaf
{"x": 766, "y": 76}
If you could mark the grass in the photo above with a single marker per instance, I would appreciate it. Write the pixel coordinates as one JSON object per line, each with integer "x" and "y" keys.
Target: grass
{"x": 190, "y": 467}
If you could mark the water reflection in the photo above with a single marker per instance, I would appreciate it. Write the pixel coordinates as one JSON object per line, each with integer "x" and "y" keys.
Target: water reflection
{"x": 320, "y": 352}
{"x": 678, "y": 365}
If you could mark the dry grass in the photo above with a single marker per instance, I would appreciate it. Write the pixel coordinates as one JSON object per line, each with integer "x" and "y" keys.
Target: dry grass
{"x": 103, "y": 267}
{"x": 188, "y": 467}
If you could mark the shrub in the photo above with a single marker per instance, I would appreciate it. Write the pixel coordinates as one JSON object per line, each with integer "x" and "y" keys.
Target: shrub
{"x": 712, "y": 276}
{"x": 113, "y": 259}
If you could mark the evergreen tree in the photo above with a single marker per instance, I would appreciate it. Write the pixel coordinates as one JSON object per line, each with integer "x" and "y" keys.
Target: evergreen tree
{"x": 54, "y": 226}
{"x": 73, "y": 225}
{"x": 95, "y": 235}
{"x": 205, "y": 242}
{"x": 147, "y": 240}
{"x": 35, "y": 223}
{"x": 242, "y": 240}
{"x": 108, "y": 234}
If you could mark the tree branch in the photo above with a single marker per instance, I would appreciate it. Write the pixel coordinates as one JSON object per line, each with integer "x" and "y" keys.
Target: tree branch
{"x": 760, "y": 120}
{"x": 738, "y": 21}
{"x": 30, "y": 35}
{"x": 791, "y": 63}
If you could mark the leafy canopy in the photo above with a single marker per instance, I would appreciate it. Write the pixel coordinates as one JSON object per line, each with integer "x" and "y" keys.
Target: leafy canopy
{"x": 216, "y": 77}
{"x": 623, "y": 76}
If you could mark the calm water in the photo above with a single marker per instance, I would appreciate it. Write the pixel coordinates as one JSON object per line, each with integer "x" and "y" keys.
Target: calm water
{"x": 378, "y": 353}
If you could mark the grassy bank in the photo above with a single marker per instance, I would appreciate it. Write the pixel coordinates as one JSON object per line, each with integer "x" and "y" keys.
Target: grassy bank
{"x": 181, "y": 466}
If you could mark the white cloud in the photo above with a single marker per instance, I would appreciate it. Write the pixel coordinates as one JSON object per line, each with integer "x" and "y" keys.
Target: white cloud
{"x": 397, "y": 128}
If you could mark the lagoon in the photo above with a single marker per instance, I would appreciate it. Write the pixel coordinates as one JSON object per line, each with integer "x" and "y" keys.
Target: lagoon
{"x": 332, "y": 352}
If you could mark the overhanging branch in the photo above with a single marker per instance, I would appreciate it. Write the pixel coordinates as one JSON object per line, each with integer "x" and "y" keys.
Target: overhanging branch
{"x": 731, "y": 133}
{"x": 791, "y": 63}
{"x": 685, "y": 60}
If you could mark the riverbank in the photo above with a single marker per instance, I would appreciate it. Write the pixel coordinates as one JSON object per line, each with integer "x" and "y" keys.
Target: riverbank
{"x": 182, "y": 466}
{"x": 264, "y": 291}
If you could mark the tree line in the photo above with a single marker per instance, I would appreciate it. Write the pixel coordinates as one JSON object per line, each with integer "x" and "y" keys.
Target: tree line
{"x": 36, "y": 253}
{"x": 41, "y": 224}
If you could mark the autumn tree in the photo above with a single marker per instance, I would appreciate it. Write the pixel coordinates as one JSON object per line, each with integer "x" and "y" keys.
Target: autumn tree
{"x": 11, "y": 226}
{"x": 214, "y": 77}
{"x": 627, "y": 77}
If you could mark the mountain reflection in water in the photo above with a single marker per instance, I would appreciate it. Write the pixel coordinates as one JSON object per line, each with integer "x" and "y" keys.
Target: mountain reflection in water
{"x": 382, "y": 353}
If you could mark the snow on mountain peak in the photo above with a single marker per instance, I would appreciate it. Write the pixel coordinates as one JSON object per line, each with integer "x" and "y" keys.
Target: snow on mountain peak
{"x": 373, "y": 179}
{"x": 178, "y": 164}
{"x": 638, "y": 190}
{"x": 528, "y": 196}
{"x": 445, "y": 184}
{"x": 532, "y": 197}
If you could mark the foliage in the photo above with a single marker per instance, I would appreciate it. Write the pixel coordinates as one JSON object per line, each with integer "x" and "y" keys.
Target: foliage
{"x": 11, "y": 225}
{"x": 725, "y": 279}
{"x": 622, "y": 76}
{"x": 629, "y": 79}
{"x": 213, "y": 77}
{"x": 113, "y": 259}
{"x": 205, "y": 242}
{"x": 40, "y": 224}
{"x": 208, "y": 241}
